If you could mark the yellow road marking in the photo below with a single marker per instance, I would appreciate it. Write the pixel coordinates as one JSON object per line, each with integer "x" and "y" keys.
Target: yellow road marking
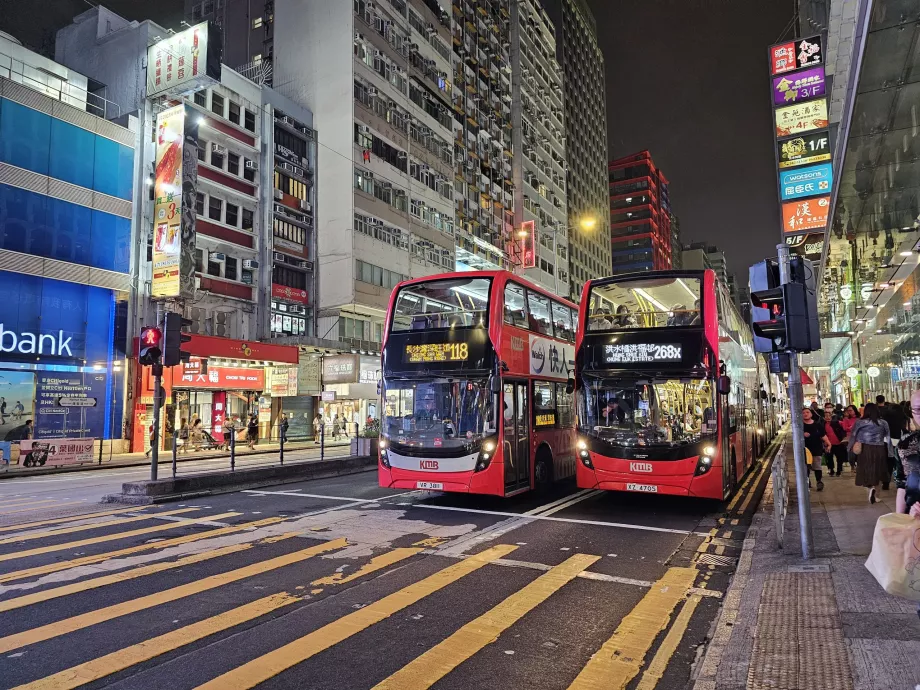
{"x": 655, "y": 670}
{"x": 269, "y": 665}
{"x": 719, "y": 550}
{"x": 437, "y": 662}
{"x": 99, "y": 557}
{"x": 376, "y": 563}
{"x": 727, "y": 534}
{"x": 83, "y": 528}
{"x": 85, "y": 620}
{"x": 112, "y": 537}
{"x": 619, "y": 659}
{"x": 96, "y": 582}
{"x": 70, "y": 518}
{"x": 431, "y": 542}
{"x": 16, "y": 502}
{"x": 750, "y": 495}
{"x": 735, "y": 521}
{"x": 106, "y": 665}
{"x": 36, "y": 506}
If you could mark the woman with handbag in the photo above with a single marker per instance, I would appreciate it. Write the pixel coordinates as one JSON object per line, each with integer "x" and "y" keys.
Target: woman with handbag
{"x": 870, "y": 441}
{"x": 816, "y": 443}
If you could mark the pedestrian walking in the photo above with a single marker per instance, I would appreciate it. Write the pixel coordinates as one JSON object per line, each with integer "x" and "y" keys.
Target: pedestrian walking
{"x": 317, "y": 428}
{"x": 252, "y": 431}
{"x": 870, "y": 440}
{"x": 897, "y": 421}
{"x": 336, "y": 427}
{"x": 837, "y": 437}
{"x": 907, "y": 467}
{"x": 151, "y": 438}
{"x": 816, "y": 442}
{"x": 182, "y": 436}
{"x": 196, "y": 435}
{"x": 848, "y": 421}
{"x": 283, "y": 428}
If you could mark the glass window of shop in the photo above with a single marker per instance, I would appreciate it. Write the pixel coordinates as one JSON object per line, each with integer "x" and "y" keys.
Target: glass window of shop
{"x": 289, "y": 319}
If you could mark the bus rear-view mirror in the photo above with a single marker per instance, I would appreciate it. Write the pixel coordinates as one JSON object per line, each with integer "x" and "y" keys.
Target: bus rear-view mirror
{"x": 725, "y": 385}
{"x": 570, "y": 386}
{"x": 495, "y": 384}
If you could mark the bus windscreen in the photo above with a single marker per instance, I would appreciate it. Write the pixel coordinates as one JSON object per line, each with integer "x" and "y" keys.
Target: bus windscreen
{"x": 644, "y": 303}
{"x": 446, "y": 303}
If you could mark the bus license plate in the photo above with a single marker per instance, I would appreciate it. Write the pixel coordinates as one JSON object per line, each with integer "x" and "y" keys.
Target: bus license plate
{"x": 431, "y": 486}
{"x": 646, "y": 488}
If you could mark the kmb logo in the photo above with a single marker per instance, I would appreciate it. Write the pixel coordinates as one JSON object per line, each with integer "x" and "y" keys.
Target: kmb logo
{"x": 640, "y": 467}
{"x": 428, "y": 464}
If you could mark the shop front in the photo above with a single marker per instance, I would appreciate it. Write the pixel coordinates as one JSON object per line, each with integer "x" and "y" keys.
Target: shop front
{"x": 350, "y": 391}
{"x": 224, "y": 382}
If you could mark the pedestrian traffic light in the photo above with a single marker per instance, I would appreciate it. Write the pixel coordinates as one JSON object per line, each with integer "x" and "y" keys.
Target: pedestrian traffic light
{"x": 173, "y": 353}
{"x": 784, "y": 317}
{"x": 763, "y": 281}
{"x": 150, "y": 346}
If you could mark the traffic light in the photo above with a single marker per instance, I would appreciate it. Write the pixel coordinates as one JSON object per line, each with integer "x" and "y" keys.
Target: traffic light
{"x": 764, "y": 284}
{"x": 173, "y": 353}
{"x": 784, "y": 317}
{"x": 150, "y": 346}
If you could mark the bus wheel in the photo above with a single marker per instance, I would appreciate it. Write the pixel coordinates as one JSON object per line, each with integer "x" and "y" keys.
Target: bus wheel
{"x": 543, "y": 470}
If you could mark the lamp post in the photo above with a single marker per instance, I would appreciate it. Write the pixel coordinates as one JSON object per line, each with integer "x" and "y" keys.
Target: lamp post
{"x": 585, "y": 223}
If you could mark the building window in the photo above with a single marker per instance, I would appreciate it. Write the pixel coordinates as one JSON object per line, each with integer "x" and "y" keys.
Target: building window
{"x": 202, "y": 151}
{"x": 199, "y": 203}
{"x": 199, "y": 259}
{"x": 288, "y": 231}
{"x": 250, "y": 121}
{"x": 215, "y": 207}
{"x": 257, "y": 23}
{"x": 213, "y": 267}
{"x": 217, "y": 156}
{"x": 230, "y": 268}
{"x": 234, "y": 115}
{"x": 196, "y": 12}
{"x": 249, "y": 171}
{"x": 233, "y": 212}
{"x": 233, "y": 163}
{"x": 247, "y": 219}
{"x": 208, "y": 7}
{"x": 217, "y": 104}
{"x": 201, "y": 97}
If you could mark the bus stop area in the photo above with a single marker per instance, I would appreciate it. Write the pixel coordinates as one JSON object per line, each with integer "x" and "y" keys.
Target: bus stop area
{"x": 820, "y": 624}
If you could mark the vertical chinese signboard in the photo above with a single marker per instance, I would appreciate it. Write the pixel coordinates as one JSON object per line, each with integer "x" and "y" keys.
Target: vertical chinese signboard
{"x": 800, "y": 135}
{"x": 528, "y": 236}
{"x": 174, "y": 204}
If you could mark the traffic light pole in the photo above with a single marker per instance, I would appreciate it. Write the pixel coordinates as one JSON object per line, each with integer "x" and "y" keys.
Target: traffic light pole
{"x": 796, "y": 403}
{"x": 154, "y": 441}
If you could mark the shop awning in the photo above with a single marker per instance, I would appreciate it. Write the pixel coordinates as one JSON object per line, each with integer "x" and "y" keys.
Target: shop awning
{"x": 249, "y": 350}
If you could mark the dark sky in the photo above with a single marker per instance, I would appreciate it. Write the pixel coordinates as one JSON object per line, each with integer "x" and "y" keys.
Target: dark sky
{"x": 686, "y": 79}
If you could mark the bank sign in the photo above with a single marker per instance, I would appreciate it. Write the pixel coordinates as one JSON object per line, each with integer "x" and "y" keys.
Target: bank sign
{"x": 803, "y": 182}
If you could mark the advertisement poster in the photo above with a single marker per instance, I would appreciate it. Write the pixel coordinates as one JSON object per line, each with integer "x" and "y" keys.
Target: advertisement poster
{"x": 528, "y": 236}
{"x": 810, "y": 246}
{"x": 799, "y": 86}
{"x": 804, "y": 150}
{"x": 282, "y": 381}
{"x": 793, "y": 55}
{"x": 218, "y": 416}
{"x": 70, "y": 404}
{"x": 58, "y": 451}
{"x": 798, "y": 119}
{"x": 802, "y": 182}
{"x": 184, "y": 62}
{"x": 805, "y": 216}
{"x": 265, "y": 410}
{"x": 174, "y": 203}
{"x": 17, "y": 400}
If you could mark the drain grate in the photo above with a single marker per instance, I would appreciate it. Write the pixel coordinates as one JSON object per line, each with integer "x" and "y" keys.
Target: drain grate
{"x": 716, "y": 559}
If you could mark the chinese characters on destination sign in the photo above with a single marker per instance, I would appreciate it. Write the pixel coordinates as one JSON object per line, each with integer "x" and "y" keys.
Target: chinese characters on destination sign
{"x": 437, "y": 352}
{"x": 641, "y": 352}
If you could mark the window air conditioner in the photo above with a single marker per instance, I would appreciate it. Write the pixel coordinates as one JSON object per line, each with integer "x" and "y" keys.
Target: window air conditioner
{"x": 305, "y": 206}
{"x": 250, "y": 263}
{"x": 219, "y": 257}
{"x": 277, "y": 256}
{"x": 251, "y": 165}
{"x": 217, "y": 148}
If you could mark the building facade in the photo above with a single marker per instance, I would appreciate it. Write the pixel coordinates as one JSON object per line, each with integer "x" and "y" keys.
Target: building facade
{"x": 68, "y": 186}
{"x": 676, "y": 246}
{"x": 700, "y": 255}
{"x": 539, "y": 163}
{"x": 640, "y": 215}
{"x": 585, "y": 114}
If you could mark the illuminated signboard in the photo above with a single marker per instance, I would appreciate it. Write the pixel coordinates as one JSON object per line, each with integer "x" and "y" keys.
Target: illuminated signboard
{"x": 799, "y": 86}
{"x": 527, "y": 235}
{"x": 802, "y": 182}
{"x": 807, "y": 215}
{"x": 546, "y": 420}
{"x": 801, "y": 118}
{"x": 804, "y": 150}
{"x": 185, "y": 62}
{"x": 437, "y": 352}
{"x": 640, "y": 353}
{"x": 793, "y": 55}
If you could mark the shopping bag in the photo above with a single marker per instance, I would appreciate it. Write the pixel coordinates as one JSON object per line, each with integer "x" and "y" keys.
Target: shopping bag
{"x": 895, "y": 557}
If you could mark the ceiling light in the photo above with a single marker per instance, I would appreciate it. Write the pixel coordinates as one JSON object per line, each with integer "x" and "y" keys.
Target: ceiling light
{"x": 907, "y": 253}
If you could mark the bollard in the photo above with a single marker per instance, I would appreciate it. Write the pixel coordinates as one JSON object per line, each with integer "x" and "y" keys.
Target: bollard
{"x": 100, "y": 450}
{"x": 232, "y": 452}
{"x": 174, "y": 449}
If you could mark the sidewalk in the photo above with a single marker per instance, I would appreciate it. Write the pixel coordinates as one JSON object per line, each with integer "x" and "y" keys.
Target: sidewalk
{"x": 165, "y": 458}
{"x": 824, "y": 624}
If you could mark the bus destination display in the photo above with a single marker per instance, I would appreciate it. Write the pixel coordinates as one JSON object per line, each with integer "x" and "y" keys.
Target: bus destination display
{"x": 437, "y": 352}
{"x": 639, "y": 353}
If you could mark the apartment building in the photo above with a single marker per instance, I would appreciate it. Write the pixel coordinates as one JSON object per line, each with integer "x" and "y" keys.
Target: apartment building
{"x": 539, "y": 163}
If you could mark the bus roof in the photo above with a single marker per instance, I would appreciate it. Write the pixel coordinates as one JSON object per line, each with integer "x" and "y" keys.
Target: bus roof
{"x": 646, "y": 275}
{"x": 485, "y": 274}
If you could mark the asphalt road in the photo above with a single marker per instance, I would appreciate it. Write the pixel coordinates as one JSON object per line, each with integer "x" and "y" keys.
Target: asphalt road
{"x": 337, "y": 583}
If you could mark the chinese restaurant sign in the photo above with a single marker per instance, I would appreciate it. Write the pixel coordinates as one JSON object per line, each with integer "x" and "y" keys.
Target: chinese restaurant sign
{"x": 797, "y": 87}
{"x": 793, "y": 55}
{"x": 184, "y": 62}
{"x": 802, "y": 182}
{"x": 222, "y": 378}
{"x": 805, "y": 216}
{"x": 804, "y": 150}
{"x": 798, "y": 119}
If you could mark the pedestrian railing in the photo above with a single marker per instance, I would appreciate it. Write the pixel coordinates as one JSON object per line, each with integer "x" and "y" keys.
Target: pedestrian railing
{"x": 780, "y": 494}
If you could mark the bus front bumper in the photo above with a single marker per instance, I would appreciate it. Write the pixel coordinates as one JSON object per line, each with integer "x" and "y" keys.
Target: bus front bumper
{"x": 488, "y": 481}
{"x": 673, "y": 477}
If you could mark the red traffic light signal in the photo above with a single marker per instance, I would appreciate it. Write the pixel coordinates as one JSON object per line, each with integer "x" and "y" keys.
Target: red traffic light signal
{"x": 150, "y": 351}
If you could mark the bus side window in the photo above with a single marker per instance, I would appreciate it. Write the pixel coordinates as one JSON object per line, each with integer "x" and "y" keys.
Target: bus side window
{"x": 539, "y": 317}
{"x": 565, "y": 417}
{"x": 515, "y": 306}
{"x": 562, "y": 322}
{"x": 544, "y": 404}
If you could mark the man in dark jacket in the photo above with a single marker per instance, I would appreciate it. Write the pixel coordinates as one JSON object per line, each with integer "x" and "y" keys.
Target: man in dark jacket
{"x": 896, "y": 423}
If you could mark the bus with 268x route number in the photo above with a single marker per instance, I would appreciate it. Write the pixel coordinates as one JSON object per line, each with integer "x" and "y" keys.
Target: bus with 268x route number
{"x": 476, "y": 386}
{"x": 667, "y": 393}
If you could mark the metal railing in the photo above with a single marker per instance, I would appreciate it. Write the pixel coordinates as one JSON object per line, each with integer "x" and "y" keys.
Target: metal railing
{"x": 780, "y": 494}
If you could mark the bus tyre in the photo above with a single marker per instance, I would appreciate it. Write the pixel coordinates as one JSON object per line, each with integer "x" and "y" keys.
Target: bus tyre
{"x": 543, "y": 470}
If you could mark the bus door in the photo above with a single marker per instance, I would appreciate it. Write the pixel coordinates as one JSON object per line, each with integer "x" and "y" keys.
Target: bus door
{"x": 516, "y": 422}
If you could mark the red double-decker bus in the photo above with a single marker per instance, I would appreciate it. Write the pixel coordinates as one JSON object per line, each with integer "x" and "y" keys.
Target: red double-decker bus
{"x": 668, "y": 388}
{"x": 477, "y": 385}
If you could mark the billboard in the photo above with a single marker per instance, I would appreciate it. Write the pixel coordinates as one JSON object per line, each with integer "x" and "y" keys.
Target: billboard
{"x": 805, "y": 216}
{"x": 528, "y": 237}
{"x": 793, "y": 55}
{"x": 799, "y": 86}
{"x": 801, "y": 118}
{"x": 804, "y": 150}
{"x": 174, "y": 204}
{"x": 802, "y": 182}
{"x": 810, "y": 246}
{"x": 185, "y": 62}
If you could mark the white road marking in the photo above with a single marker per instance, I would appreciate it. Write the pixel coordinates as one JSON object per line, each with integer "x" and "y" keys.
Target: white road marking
{"x": 540, "y": 509}
{"x": 571, "y": 502}
{"x": 179, "y": 518}
{"x": 325, "y": 496}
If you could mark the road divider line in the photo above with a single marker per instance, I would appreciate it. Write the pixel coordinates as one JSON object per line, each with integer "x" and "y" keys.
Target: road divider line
{"x": 117, "y": 661}
{"x": 570, "y": 503}
{"x": 18, "y": 502}
{"x": 540, "y": 509}
{"x": 376, "y": 563}
{"x": 426, "y": 670}
{"x": 662, "y": 658}
{"x": 82, "y": 528}
{"x": 86, "y": 620}
{"x": 269, "y": 665}
{"x": 97, "y": 582}
{"x": 38, "y": 506}
{"x": 99, "y": 557}
{"x": 70, "y": 518}
{"x": 109, "y": 537}
{"x": 620, "y": 658}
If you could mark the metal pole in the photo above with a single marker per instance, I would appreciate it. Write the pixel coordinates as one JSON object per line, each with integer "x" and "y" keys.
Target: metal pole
{"x": 174, "y": 442}
{"x": 796, "y": 404}
{"x": 281, "y": 452}
{"x": 100, "y": 449}
{"x": 233, "y": 451}
{"x": 322, "y": 440}
{"x": 157, "y": 401}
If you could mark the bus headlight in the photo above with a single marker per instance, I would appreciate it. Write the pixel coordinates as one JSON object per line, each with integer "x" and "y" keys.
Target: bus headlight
{"x": 709, "y": 450}
{"x": 703, "y": 465}
{"x": 485, "y": 455}
{"x": 760, "y": 431}
{"x": 384, "y": 460}
{"x": 583, "y": 454}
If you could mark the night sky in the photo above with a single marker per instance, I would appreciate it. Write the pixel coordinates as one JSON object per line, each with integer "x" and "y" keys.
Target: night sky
{"x": 686, "y": 79}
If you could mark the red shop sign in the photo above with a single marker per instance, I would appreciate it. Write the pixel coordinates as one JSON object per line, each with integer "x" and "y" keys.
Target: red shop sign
{"x": 224, "y": 378}
{"x": 289, "y": 293}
